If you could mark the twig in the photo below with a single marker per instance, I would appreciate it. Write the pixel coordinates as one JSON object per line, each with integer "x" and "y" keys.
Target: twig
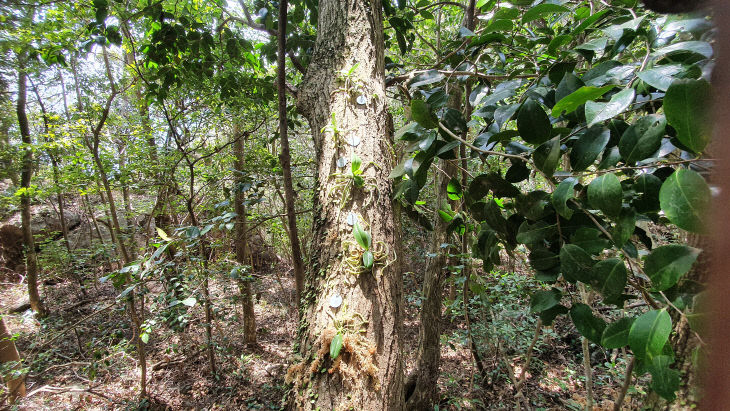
{"x": 625, "y": 386}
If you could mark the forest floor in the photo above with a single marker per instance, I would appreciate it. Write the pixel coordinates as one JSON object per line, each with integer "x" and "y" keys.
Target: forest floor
{"x": 81, "y": 358}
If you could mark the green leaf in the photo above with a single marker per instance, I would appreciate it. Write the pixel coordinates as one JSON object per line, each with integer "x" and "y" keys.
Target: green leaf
{"x": 542, "y": 10}
{"x": 589, "y": 145}
{"x": 649, "y": 333}
{"x": 598, "y": 112}
{"x": 586, "y": 323}
{"x": 590, "y": 240}
{"x": 564, "y": 192}
{"x": 367, "y": 259}
{"x": 549, "y": 315}
{"x": 609, "y": 277}
{"x": 361, "y": 236}
{"x": 661, "y": 77}
{"x": 605, "y": 194}
{"x": 336, "y": 346}
{"x": 685, "y": 200}
{"x": 698, "y": 47}
{"x": 664, "y": 380}
{"x": 190, "y": 301}
{"x": 648, "y": 185}
{"x": 665, "y": 265}
{"x": 547, "y": 156}
{"x": 686, "y": 106}
{"x": 543, "y": 300}
{"x": 625, "y": 223}
{"x": 576, "y": 264}
{"x": 421, "y": 113}
{"x": 145, "y": 337}
{"x": 483, "y": 183}
{"x": 535, "y": 233}
{"x": 453, "y": 190}
{"x": 642, "y": 139}
{"x": 532, "y": 123}
{"x": 355, "y": 165}
{"x": 542, "y": 259}
{"x": 616, "y": 334}
{"x": 572, "y": 101}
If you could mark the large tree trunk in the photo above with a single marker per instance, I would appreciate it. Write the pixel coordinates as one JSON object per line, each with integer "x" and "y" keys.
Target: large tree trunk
{"x": 367, "y": 374}
{"x": 31, "y": 262}
{"x": 8, "y": 353}
{"x": 243, "y": 252}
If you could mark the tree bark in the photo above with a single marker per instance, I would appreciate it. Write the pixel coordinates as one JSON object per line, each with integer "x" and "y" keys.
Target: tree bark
{"x": 243, "y": 252}
{"x": 421, "y": 388}
{"x": 31, "y": 261}
{"x": 8, "y": 353}
{"x": 347, "y": 63}
{"x": 285, "y": 157}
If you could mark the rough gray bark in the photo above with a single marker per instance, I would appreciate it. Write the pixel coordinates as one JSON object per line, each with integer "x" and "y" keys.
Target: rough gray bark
{"x": 348, "y": 63}
{"x": 31, "y": 262}
{"x": 243, "y": 252}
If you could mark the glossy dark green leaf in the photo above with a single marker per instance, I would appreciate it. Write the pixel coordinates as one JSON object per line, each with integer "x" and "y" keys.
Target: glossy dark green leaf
{"x": 701, "y": 48}
{"x": 590, "y": 239}
{"x": 532, "y": 123}
{"x": 588, "y": 325}
{"x": 548, "y": 316}
{"x": 564, "y": 192}
{"x": 664, "y": 380}
{"x": 421, "y": 113}
{"x": 624, "y": 228}
{"x": 647, "y": 186}
{"x": 547, "y": 156}
{"x": 605, "y": 193}
{"x": 535, "y": 233}
{"x": 576, "y": 264}
{"x": 517, "y": 172}
{"x": 545, "y": 299}
{"x": 609, "y": 277}
{"x": 579, "y": 97}
{"x": 642, "y": 139}
{"x": 665, "y": 265}
{"x": 588, "y": 146}
{"x": 685, "y": 200}
{"x": 649, "y": 333}
{"x": 484, "y": 183}
{"x": 542, "y": 259}
{"x": 599, "y": 112}
{"x": 686, "y": 106}
{"x": 661, "y": 77}
{"x": 616, "y": 334}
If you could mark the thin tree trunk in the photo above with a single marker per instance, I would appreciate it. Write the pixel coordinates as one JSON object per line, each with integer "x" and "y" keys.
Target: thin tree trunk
{"x": 421, "y": 392}
{"x": 285, "y": 157}
{"x": 8, "y": 353}
{"x": 243, "y": 252}
{"x": 343, "y": 300}
{"x": 31, "y": 261}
